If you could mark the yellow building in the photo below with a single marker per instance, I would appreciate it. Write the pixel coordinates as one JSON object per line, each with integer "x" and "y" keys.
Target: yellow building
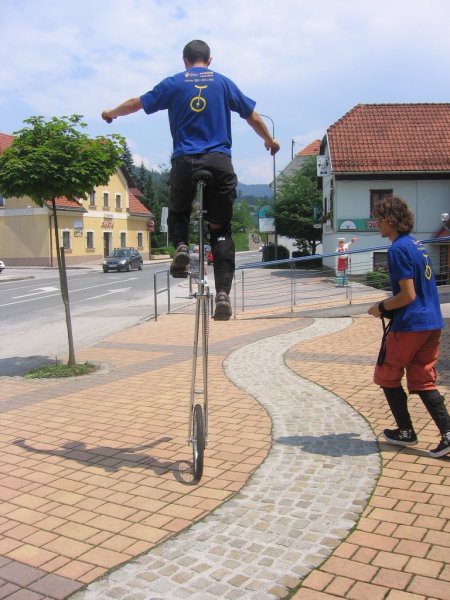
{"x": 89, "y": 228}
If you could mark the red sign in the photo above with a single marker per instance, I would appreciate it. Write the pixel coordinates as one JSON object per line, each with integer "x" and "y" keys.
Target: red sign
{"x": 108, "y": 224}
{"x": 150, "y": 225}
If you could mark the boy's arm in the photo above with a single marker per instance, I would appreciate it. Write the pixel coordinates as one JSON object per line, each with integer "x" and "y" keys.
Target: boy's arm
{"x": 405, "y": 296}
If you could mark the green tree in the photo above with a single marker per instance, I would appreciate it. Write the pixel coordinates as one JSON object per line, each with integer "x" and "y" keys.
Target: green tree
{"x": 297, "y": 197}
{"x": 242, "y": 217}
{"x": 50, "y": 159}
{"x": 127, "y": 160}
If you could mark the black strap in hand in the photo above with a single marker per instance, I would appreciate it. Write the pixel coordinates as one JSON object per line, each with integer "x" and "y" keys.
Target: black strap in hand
{"x": 386, "y": 330}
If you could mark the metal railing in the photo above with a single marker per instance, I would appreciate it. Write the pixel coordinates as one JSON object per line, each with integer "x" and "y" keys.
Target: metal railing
{"x": 161, "y": 291}
{"x": 296, "y": 284}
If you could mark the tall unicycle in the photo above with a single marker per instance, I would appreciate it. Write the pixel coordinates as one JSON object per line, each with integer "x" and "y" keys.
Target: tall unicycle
{"x": 198, "y": 401}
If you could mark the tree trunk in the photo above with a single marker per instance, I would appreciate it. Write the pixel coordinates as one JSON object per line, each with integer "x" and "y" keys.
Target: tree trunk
{"x": 64, "y": 286}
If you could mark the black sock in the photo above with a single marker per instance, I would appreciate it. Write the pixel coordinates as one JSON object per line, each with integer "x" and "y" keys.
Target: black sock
{"x": 398, "y": 403}
{"x": 435, "y": 405}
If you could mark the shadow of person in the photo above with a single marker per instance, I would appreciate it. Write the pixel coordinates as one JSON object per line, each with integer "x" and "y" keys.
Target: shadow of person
{"x": 332, "y": 444}
{"x": 113, "y": 459}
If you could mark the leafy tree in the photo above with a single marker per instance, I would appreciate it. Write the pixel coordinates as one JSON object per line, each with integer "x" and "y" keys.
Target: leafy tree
{"x": 50, "y": 159}
{"x": 242, "y": 217}
{"x": 297, "y": 196}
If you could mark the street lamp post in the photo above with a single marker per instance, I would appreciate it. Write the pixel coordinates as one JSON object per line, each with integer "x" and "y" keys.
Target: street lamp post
{"x": 274, "y": 183}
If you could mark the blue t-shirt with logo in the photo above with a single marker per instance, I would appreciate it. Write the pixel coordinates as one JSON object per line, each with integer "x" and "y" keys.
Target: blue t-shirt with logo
{"x": 199, "y": 102}
{"x": 409, "y": 259}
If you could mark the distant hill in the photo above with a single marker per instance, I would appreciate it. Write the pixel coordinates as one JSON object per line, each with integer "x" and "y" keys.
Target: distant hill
{"x": 258, "y": 190}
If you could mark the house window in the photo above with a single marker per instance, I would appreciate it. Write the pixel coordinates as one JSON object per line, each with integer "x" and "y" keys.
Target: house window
{"x": 90, "y": 240}
{"x": 66, "y": 240}
{"x": 118, "y": 201}
{"x": 105, "y": 199}
{"x": 140, "y": 240}
{"x": 380, "y": 262}
{"x": 92, "y": 199}
{"x": 376, "y": 197}
{"x": 2, "y": 201}
{"x": 123, "y": 239}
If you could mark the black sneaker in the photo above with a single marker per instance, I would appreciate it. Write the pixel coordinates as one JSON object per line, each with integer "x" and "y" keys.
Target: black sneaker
{"x": 223, "y": 307}
{"x": 400, "y": 437}
{"x": 443, "y": 447}
{"x": 180, "y": 262}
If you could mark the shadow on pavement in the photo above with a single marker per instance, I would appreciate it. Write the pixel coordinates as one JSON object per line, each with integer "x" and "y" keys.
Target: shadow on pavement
{"x": 341, "y": 444}
{"x": 19, "y": 365}
{"x": 113, "y": 459}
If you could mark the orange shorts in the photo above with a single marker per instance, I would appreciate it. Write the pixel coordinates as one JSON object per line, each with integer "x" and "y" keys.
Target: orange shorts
{"x": 415, "y": 352}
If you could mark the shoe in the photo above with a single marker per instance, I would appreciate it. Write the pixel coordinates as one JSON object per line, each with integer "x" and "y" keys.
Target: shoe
{"x": 223, "y": 307}
{"x": 400, "y": 437}
{"x": 443, "y": 447}
{"x": 180, "y": 262}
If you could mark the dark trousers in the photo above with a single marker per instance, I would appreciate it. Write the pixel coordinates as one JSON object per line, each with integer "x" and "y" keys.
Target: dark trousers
{"x": 218, "y": 200}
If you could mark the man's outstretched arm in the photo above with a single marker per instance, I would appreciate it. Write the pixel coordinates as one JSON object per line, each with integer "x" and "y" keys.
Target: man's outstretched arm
{"x": 126, "y": 108}
{"x": 256, "y": 122}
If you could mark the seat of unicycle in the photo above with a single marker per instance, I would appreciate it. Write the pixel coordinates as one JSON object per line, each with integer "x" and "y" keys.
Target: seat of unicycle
{"x": 202, "y": 175}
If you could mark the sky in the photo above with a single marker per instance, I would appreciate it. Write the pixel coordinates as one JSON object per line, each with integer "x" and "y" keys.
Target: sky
{"x": 305, "y": 63}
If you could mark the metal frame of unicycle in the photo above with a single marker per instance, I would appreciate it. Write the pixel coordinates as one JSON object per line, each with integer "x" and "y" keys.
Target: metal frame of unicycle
{"x": 198, "y": 412}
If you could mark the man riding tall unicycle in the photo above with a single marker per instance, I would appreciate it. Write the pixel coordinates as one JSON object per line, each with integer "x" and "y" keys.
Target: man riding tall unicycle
{"x": 199, "y": 102}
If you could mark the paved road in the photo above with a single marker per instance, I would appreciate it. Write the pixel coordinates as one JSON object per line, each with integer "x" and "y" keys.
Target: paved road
{"x": 33, "y": 329}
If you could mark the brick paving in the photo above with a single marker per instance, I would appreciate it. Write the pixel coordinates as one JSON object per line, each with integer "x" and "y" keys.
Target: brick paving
{"x": 94, "y": 471}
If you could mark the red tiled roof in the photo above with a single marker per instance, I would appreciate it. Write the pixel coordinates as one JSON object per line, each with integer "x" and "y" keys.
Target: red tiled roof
{"x": 136, "y": 192}
{"x": 63, "y": 203}
{"x": 311, "y": 149}
{"x": 135, "y": 206}
{"x": 5, "y": 141}
{"x": 391, "y": 138}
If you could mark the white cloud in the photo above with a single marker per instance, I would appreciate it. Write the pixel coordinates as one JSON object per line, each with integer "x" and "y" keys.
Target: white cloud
{"x": 305, "y": 63}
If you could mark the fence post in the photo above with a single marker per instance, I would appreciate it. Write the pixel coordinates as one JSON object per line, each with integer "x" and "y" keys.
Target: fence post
{"x": 292, "y": 287}
{"x": 155, "y": 294}
{"x": 243, "y": 291}
{"x": 168, "y": 292}
{"x": 234, "y": 295}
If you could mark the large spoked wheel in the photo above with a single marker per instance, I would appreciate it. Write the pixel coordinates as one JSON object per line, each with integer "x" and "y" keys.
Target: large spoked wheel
{"x": 198, "y": 443}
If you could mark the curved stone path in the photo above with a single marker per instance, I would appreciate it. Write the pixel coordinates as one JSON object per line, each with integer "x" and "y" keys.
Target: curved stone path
{"x": 296, "y": 508}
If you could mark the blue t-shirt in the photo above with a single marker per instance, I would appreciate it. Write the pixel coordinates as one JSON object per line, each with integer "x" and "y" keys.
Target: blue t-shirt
{"x": 199, "y": 102}
{"x": 409, "y": 259}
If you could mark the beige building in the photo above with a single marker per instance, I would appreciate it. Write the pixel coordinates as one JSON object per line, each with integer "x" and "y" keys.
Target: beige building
{"x": 89, "y": 228}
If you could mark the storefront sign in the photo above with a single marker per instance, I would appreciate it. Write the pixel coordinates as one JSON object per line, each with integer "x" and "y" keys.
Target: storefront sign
{"x": 357, "y": 225}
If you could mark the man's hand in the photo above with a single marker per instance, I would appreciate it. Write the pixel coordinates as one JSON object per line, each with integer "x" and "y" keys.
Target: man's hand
{"x": 273, "y": 146}
{"x": 108, "y": 116}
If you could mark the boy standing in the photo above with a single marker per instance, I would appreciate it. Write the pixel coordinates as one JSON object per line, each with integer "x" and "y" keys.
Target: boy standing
{"x": 413, "y": 341}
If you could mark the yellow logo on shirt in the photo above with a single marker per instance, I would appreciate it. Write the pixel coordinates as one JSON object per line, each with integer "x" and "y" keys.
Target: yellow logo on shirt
{"x": 198, "y": 103}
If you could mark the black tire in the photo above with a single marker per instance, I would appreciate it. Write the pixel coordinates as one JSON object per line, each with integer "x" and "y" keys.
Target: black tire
{"x": 198, "y": 443}
{"x": 129, "y": 267}
{"x": 140, "y": 266}
{"x": 105, "y": 269}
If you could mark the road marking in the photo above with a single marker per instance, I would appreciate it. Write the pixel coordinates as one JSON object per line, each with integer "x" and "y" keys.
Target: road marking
{"x": 70, "y": 292}
{"x": 119, "y": 291}
{"x": 42, "y": 290}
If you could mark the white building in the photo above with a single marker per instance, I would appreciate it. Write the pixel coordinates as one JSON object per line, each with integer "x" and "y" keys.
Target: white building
{"x": 380, "y": 149}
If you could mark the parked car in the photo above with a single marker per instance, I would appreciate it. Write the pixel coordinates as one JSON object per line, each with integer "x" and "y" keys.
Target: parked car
{"x": 123, "y": 259}
{"x": 2, "y": 266}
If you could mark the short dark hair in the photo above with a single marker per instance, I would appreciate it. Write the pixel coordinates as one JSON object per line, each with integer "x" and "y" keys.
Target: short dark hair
{"x": 196, "y": 51}
{"x": 396, "y": 212}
